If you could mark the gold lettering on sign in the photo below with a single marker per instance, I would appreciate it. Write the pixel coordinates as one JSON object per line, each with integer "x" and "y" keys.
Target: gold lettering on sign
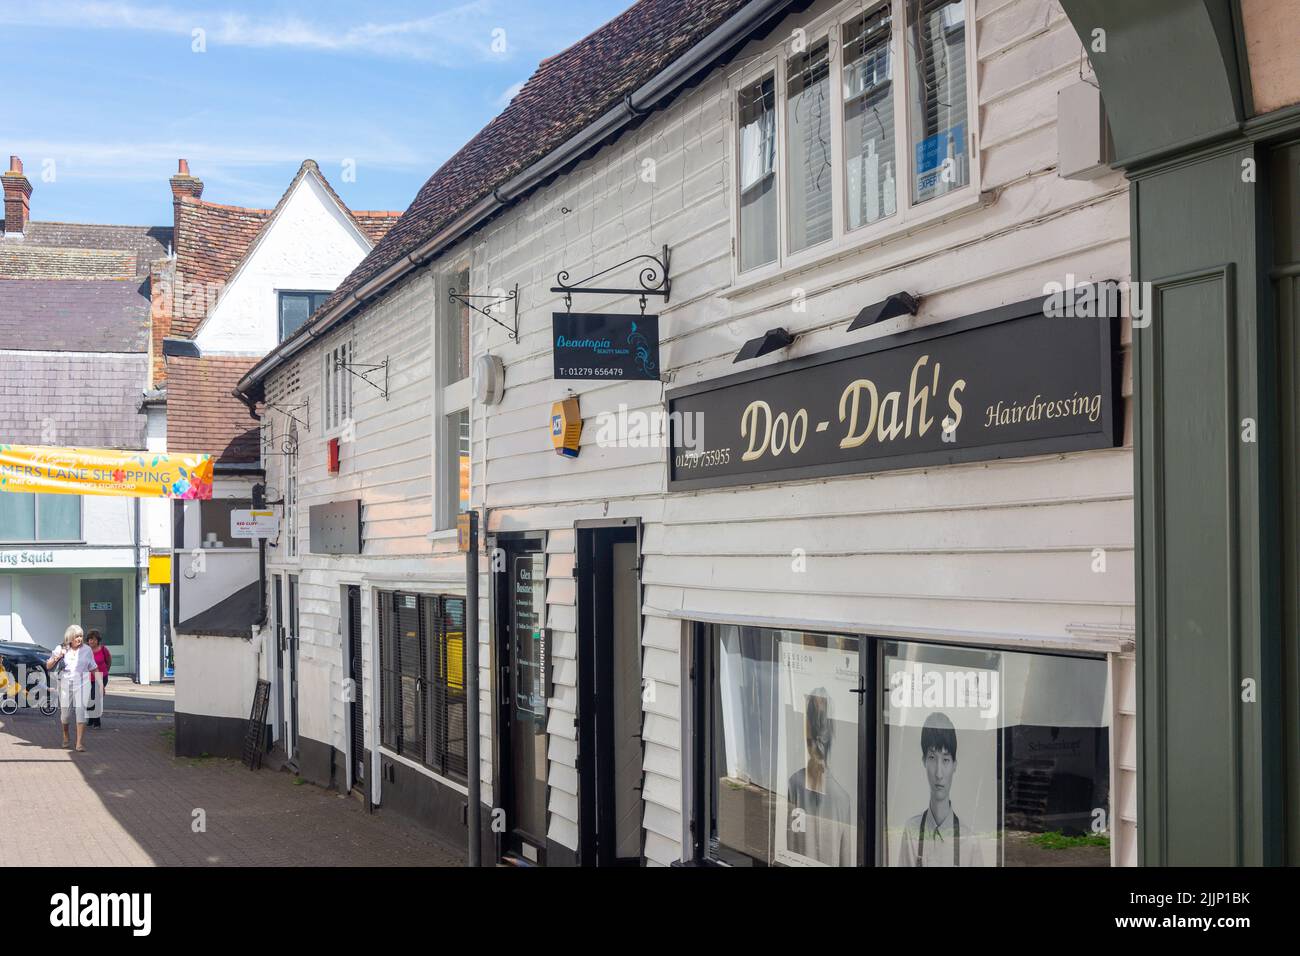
{"x": 922, "y": 398}
{"x": 749, "y": 428}
{"x": 853, "y": 438}
{"x": 953, "y": 405}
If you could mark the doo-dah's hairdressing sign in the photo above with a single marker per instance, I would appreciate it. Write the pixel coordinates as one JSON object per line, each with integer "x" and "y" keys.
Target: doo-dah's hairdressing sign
{"x": 1007, "y": 383}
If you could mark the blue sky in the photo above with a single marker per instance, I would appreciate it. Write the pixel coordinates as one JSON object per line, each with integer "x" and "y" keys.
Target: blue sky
{"x": 102, "y": 97}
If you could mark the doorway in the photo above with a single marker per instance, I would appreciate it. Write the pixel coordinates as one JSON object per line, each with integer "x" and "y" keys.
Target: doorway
{"x": 609, "y": 692}
{"x": 522, "y": 688}
{"x": 104, "y": 603}
{"x": 356, "y": 711}
{"x": 291, "y": 650}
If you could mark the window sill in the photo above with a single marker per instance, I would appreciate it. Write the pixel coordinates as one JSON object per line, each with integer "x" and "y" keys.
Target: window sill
{"x": 877, "y": 235}
{"x": 460, "y": 788}
{"x": 447, "y": 534}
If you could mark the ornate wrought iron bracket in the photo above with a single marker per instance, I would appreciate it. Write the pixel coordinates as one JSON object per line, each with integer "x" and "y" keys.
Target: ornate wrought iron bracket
{"x": 288, "y": 446}
{"x": 511, "y": 297}
{"x": 288, "y": 411}
{"x": 363, "y": 372}
{"x": 653, "y": 279}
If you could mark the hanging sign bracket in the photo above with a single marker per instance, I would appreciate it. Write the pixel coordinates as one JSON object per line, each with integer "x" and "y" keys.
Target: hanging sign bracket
{"x": 364, "y": 372}
{"x": 511, "y": 297}
{"x": 653, "y": 279}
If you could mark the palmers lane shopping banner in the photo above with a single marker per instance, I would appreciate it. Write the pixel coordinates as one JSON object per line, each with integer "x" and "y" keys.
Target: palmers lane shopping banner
{"x": 103, "y": 471}
{"x": 1007, "y": 383}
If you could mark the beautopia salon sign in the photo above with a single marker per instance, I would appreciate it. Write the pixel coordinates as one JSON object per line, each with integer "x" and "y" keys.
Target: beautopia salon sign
{"x": 1007, "y": 383}
{"x": 101, "y": 471}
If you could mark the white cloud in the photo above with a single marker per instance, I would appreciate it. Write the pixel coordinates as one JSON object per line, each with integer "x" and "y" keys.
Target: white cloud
{"x": 509, "y": 94}
{"x": 445, "y": 37}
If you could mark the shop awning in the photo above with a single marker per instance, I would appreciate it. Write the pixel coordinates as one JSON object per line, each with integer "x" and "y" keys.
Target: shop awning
{"x": 102, "y": 471}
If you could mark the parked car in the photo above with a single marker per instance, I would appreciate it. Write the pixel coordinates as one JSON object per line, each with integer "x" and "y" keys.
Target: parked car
{"x": 29, "y": 657}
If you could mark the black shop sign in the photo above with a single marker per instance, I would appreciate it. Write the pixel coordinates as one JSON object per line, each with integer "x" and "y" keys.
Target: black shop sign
{"x": 611, "y": 347}
{"x": 1007, "y": 383}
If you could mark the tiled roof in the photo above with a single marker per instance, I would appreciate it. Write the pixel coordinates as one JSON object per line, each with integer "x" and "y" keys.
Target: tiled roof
{"x": 79, "y": 400}
{"x": 216, "y": 239}
{"x": 75, "y": 315}
{"x": 213, "y": 240}
{"x": 232, "y": 616}
{"x": 568, "y": 92}
{"x": 146, "y": 243}
{"x": 202, "y": 415}
{"x": 18, "y": 260}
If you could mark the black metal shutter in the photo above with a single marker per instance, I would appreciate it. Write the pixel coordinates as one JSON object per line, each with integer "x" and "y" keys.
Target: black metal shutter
{"x": 388, "y": 683}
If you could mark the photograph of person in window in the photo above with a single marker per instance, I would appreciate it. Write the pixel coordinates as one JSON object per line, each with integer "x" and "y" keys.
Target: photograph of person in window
{"x": 820, "y": 810}
{"x": 934, "y": 836}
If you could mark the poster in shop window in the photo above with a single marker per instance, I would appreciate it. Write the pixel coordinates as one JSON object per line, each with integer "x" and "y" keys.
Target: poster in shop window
{"x": 942, "y": 795}
{"x": 817, "y": 751}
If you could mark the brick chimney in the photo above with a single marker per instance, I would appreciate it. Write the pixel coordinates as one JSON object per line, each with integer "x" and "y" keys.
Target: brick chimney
{"x": 183, "y": 184}
{"x": 18, "y": 191}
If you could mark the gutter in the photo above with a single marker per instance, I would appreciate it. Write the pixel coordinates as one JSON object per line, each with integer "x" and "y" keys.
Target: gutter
{"x": 635, "y": 105}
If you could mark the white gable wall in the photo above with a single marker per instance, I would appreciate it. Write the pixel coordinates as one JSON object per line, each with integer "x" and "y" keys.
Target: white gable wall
{"x": 310, "y": 246}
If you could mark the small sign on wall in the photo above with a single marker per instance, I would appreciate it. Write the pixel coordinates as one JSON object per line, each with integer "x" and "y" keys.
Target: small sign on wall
{"x": 336, "y": 527}
{"x": 254, "y": 523}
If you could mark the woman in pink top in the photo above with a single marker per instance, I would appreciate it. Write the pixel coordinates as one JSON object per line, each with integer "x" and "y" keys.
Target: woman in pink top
{"x": 103, "y": 661}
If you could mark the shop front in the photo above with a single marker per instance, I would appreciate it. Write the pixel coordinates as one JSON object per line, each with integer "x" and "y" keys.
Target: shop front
{"x": 43, "y": 590}
{"x": 909, "y": 705}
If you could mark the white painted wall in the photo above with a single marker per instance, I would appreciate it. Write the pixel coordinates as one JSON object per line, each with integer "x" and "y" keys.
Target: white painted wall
{"x": 311, "y": 246}
{"x": 215, "y": 675}
{"x": 1003, "y": 547}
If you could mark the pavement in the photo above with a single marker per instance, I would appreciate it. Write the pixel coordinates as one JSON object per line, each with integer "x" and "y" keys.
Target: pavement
{"x": 128, "y": 801}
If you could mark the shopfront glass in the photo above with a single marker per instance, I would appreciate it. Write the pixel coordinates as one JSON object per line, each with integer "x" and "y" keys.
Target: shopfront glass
{"x": 103, "y": 608}
{"x": 833, "y": 750}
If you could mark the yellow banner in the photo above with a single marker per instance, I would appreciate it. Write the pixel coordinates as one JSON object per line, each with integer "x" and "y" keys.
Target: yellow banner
{"x": 101, "y": 471}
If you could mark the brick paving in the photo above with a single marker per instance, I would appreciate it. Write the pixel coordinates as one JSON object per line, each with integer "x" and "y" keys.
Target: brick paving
{"x": 127, "y": 801}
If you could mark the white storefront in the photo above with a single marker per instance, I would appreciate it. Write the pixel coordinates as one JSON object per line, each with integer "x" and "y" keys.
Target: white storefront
{"x": 622, "y": 618}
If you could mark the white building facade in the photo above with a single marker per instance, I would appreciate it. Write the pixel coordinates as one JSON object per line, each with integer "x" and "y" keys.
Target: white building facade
{"x": 691, "y": 672}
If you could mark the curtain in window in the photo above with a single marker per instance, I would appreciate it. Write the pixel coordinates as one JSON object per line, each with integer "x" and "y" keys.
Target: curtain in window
{"x": 758, "y": 211}
{"x": 869, "y": 118}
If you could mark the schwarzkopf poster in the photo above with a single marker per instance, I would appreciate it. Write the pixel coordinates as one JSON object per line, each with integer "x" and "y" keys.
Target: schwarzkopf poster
{"x": 598, "y": 346}
{"x": 1007, "y": 383}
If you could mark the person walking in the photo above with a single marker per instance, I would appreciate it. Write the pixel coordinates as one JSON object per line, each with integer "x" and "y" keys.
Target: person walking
{"x": 74, "y": 681}
{"x": 103, "y": 661}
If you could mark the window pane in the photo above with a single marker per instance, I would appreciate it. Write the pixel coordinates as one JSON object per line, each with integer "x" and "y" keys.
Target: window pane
{"x": 808, "y": 146}
{"x": 17, "y": 516}
{"x": 756, "y": 106}
{"x": 994, "y": 759}
{"x": 456, "y": 331}
{"x": 869, "y": 118}
{"x": 456, "y": 475}
{"x": 936, "y": 50}
{"x": 785, "y": 747}
{"x": 295, "y": 308}
{"x": 214, "y": 523}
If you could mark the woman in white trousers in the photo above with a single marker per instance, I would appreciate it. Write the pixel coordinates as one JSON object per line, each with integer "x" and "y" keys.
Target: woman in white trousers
{"x": 74, "y": 681}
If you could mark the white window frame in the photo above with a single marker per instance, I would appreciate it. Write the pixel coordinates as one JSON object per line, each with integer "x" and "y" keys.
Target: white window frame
{"x": 907, "y": 216}
{"x": 449, "y": 398}
{"x": 337, "y": 398}
{"x": 291, "y": 494}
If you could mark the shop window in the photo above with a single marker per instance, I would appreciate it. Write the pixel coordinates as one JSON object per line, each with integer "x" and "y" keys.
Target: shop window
{"x": 214, "y": 523}
{"x": 296, "y": 308}
{"x": 422, "y": 686}
{"x": 969, "y": 757}
{"x": 25, "y": 516}
{"x": 862, "y": 149}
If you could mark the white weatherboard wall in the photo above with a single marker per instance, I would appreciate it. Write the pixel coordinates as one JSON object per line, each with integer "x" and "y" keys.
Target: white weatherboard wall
{"x": 386, "y": 461}
{"x": 311, "y": 246}
{"x": 1005, "y": 548}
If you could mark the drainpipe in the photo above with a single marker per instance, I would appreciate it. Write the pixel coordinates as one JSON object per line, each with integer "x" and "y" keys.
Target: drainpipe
{"x": 135, "y": 559}
{"x": 472, "y": 771}
{"x": 263, "y": 606}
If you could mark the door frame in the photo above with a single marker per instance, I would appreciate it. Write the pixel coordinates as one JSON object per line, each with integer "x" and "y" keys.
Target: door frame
{"x": 291, "y": 642}
{"x": 129, "y": 610}
{"x": 353, "y": 759}
{"x": 596, "y": 791}
{"x": 502, "y": 769}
